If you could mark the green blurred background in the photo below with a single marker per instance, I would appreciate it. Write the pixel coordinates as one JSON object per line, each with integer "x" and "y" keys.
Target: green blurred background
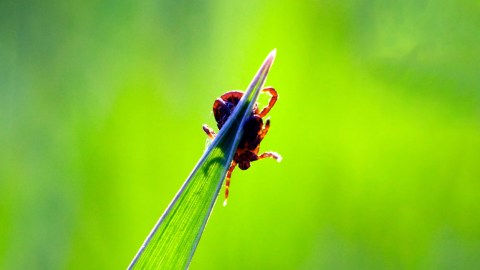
{"x": 378, "y": 121}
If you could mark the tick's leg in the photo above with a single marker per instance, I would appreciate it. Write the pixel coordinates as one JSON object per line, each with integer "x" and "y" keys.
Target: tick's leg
{"x": 227, "y": 181}
{"x": 210, "y": 133}
{"x": 272, "y": 101}
{"x": 264, "y": 131}
{"x": 273, "y": 155}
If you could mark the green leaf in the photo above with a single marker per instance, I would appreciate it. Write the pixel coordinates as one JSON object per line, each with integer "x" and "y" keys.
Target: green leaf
{"x": 172, "y": 242}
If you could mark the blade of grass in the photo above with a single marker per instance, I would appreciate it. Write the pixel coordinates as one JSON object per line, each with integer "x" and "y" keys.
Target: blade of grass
{"x": 173, "y": 240}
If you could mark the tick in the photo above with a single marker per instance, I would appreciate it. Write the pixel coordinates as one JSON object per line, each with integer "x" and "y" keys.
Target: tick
{"x": 254, "y": 130}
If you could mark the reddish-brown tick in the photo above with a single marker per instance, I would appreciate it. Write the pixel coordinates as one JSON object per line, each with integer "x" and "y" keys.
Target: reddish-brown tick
{"x": 254, "y": 130}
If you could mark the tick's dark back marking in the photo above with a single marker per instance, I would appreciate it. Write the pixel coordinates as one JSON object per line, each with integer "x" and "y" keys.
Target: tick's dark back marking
{"x": 251, "y": 130}
{"x": 224, "y": 106}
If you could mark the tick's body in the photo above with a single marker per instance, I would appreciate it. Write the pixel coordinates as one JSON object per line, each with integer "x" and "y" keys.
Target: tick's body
{"x": 254, "y": 130}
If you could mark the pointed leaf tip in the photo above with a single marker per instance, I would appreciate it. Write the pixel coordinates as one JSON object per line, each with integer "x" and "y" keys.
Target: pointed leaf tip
{"x": 271, "y": 57}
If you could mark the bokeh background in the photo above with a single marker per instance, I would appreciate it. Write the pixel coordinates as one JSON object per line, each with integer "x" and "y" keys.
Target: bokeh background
{"x": 378, "y": 121}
